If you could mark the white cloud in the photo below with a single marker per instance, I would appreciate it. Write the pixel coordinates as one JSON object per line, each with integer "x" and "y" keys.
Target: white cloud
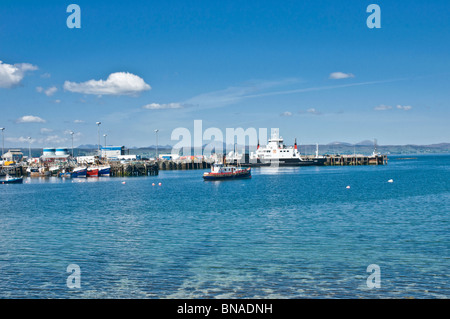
{"x": 51, "y": 90}
{"x": 286, "y": 114}
{"x": 157, "y": 106}
{"x": 340, "y": 75}
{"x": 382, "y": 107}
{"x": 57, "y": 101}
{"x": 78, "y": 121}
{"x": 30, "y": 119}
{"x": 119, "y": 83}
{"x": 404, "y": 107}
{"x": 12, "y": 74}
{"x": 45, "y": 75}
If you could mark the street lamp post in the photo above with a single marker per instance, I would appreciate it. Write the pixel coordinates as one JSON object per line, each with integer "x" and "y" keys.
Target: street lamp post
{"x": 71, "y": 133}
{"x": 105, "y": 135}
{"x": 156, "y": 132}
{"x": 3, "y": 141}
{"x": 98, "y": 135}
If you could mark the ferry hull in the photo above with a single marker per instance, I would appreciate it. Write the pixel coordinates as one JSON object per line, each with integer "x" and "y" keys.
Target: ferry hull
{"x": 286, "y": 162}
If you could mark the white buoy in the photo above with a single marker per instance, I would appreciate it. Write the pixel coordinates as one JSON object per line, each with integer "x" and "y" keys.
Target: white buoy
{"x": 348, "y": 187}
{"x": 153, "y": 184}
{"x": 123, "y": 183}
{"x": 390, "y": 181}
{"x": 159, "y": 184}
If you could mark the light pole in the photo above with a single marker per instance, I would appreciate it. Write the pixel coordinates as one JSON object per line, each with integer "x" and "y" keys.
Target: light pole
{"x": 29, "y": 148}
{"x": 156, "y": 132}
{"x": 3, "y": 141}
{"x": 71, "y": 133}
{"x": 98, "y": 135}
{"x": 105, "y": 135}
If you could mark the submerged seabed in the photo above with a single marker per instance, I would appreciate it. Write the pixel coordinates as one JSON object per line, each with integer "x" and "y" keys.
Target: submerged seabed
{"x": 285, "y": 233}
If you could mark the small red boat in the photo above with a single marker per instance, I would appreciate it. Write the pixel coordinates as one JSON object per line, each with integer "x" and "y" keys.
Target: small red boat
{"x": 92, "y": 172}
{"x": 221, "y": 172}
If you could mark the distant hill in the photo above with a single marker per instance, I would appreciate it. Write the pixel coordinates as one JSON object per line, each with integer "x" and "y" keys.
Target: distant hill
{"x": 365, "y": 143}
{"x": 309, "y": 149}
{"x": 339, "y": 143}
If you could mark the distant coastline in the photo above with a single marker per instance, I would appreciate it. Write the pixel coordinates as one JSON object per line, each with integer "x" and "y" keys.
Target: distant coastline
{"x": 308, "y": 149}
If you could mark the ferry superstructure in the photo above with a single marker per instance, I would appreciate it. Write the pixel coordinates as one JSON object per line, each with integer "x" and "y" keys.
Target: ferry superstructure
{"x": 275, "y": 153}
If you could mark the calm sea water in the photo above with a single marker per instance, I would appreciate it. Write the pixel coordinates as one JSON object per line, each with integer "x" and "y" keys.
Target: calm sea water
{"x": 285, "y": 233}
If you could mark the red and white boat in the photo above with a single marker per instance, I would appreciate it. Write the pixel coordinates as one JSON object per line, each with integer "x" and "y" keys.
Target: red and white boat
{"x": 222, "y": 172}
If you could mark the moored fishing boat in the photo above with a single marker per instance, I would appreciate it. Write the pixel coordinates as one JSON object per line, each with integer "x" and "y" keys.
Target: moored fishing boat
{"x": 222, "y": 172}
{"x": 11, "y": 180}
{"x": 104, "y": 170}
{"x": 92, "y": 171}
{"x": 79, "y": 172}
{"x": 37, "y": 172}
{"x": 54, "y": 169}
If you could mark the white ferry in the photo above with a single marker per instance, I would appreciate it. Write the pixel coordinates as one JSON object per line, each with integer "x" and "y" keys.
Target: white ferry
{"x": 276, "y": 153}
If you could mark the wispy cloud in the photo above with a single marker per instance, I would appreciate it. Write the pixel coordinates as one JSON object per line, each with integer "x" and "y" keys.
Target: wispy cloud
{"x": 251, "y": 90}
{"x": 404, "y": 107}
{"x": 313, "y": 111}
{"x": 286, "y": 114}
{"x": 45, "y": 130}
{"x": 382, "y": 107}
{"x": 30, "y": 119}
{"x": 340, "y": 75}
{"x": 119, "y": 83}
{"x": 319, "y": 88}
{"x": 157, "y": 106}
{"x": 12, "y": 74}
{"x": 50, "y": 140}
{"x": 235, "y": 94}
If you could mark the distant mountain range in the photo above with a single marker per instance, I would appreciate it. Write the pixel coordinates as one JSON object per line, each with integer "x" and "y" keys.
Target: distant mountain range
{"x": 363, "y": 147}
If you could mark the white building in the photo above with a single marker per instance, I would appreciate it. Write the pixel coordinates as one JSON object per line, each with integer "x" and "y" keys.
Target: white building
{"x": 112, "y": 152}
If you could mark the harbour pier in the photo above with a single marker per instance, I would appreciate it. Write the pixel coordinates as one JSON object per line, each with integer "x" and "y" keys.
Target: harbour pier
{"x": 183, "y": 165}
{"x": 134, "y": 169}
{"x": 355, "y": 160}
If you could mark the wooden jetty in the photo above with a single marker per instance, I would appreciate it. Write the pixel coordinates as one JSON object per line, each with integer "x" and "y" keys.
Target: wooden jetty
{"x": 134, "y": 169}
{"x": 355, "y": 160}
{"x": 183, "y": 165}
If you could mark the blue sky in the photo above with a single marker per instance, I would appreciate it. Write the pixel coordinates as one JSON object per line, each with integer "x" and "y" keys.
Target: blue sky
{"x": 311, "y": 68}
